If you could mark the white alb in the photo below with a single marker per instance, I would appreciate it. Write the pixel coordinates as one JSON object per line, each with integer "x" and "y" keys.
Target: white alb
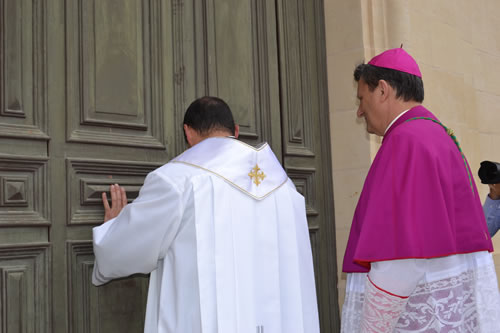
{"x": 225, "y": 255}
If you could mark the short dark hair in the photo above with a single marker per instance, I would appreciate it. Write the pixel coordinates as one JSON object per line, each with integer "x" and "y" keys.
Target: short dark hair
{"x": 409, "y": 87}
{"x": 207, "y": 114}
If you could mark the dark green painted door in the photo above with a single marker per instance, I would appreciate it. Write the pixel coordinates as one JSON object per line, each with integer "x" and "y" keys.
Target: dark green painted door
{"x": 93, "y": 93}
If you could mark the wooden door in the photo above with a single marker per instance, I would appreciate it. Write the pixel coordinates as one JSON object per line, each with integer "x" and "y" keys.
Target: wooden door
{"x": 306, "y": 139}
{"x": 25, "y": 202}
{"x": 93, "y": 93}
{"x": 110, "y": 105}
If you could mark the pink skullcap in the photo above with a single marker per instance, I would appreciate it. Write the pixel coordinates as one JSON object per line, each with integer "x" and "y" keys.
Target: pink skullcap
{"x": 397, "y": 59}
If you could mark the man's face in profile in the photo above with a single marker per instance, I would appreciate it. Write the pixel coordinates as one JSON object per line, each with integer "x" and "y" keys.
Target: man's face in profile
{"x": 369, "y": 108}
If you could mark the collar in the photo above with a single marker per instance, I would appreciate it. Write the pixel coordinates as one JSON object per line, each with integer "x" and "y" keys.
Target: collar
{"x": 416, "y": 111}
{"x": 253, "y": 170}
{"x": 394, "y": 120}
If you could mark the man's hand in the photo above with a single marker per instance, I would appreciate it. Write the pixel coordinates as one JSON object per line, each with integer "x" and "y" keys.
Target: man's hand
{"x": 118, "y": 202}
{"x": 494, "y": 191}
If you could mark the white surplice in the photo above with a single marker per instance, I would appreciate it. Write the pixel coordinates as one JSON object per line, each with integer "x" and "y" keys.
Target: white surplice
{"x": 458, "y": 293}
{"x": 225, "y": 255}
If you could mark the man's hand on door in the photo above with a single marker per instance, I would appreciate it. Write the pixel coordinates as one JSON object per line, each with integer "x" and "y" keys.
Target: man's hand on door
{"x": 118, "y": 202}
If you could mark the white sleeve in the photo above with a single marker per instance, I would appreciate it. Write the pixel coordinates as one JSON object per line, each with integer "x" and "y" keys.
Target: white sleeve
{"x": 388, "y": 286}
{"x": 134, "y": 240}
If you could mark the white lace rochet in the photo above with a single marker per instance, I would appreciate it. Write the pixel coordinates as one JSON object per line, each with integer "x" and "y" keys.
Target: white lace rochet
{"x": 454, "y": 296}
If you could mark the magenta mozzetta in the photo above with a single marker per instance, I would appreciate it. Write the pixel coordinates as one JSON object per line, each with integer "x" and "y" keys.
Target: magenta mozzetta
{"x": 414, "y": 204}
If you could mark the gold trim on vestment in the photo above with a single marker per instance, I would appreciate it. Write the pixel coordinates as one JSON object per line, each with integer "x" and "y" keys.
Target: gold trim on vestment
{"x": 232, "y": 183}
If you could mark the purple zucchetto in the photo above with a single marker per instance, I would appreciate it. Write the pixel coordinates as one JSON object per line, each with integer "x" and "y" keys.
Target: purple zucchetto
{"x": 397, "y": 59}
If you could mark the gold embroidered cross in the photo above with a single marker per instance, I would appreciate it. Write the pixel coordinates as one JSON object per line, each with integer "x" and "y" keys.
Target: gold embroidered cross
{"x": 257, "y": 175}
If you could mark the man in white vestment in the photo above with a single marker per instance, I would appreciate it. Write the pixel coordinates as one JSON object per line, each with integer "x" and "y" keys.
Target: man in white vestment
{"x": 223, "y": 232}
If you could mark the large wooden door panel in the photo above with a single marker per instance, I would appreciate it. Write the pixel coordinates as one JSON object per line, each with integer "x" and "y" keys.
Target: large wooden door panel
{"x": 241, "y": 64}
{"x": 117, "y": 117}
{"x": 24, "y": 192}
{"x": 25, "y": 252}
{"x": 22, "y": 69}
{"x": 114, "y": 55}
{"x": 118, "y": 306}
{"x": 87, "y": 179}
{"x": 25, "y": 286}
{"x": 306, "y": 139}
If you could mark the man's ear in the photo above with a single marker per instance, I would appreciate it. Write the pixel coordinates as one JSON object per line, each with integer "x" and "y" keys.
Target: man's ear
{"x": 384, "y": 89}
{"x": 188, "y": 132}
{"x": 236, "y": 131}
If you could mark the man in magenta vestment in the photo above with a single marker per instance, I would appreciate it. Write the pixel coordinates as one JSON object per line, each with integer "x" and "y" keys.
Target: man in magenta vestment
{"x": 418, "y": 257}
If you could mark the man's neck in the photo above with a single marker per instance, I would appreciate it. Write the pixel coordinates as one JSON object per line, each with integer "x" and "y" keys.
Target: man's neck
{"x": 218, "y": 134}
{"x": 214, "y": 134}
{"x": 400, "y": 108}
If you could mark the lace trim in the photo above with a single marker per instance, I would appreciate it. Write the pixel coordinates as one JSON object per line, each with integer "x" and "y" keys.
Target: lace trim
{"x": 381, "y": 310}
{"x": 466, "y": 302}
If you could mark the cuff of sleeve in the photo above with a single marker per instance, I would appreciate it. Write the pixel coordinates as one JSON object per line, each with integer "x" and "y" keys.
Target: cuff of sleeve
{"x": 97, "y": 278}
{"x": 381, "y": 310}
{"x": 385, "y": 291}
